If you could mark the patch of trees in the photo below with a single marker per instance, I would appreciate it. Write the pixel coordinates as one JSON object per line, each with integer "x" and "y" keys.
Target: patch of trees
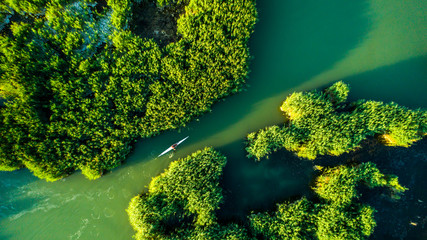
{"x": 324, "y": 123}
{"x": 181, "y": 204}
{"x": 335, "y": 214}
{"x": 81, "y": 88}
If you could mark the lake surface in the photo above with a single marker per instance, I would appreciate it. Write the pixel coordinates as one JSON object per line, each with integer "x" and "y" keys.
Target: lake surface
{"x": 378, "y": 47}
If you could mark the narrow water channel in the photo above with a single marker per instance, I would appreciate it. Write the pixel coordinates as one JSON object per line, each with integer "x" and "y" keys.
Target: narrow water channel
{"x": 378, "y": 47}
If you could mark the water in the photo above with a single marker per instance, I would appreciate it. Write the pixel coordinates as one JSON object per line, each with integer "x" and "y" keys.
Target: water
{"x": 378, "y": 47}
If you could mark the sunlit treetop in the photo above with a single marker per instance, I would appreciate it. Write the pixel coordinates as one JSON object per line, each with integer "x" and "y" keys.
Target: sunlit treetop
{"x": 325, "y": 123}
{"x": 81, "y": 86}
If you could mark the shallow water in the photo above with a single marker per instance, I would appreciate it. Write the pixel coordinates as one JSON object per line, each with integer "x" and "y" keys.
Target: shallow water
{"x": 378, "y": 47}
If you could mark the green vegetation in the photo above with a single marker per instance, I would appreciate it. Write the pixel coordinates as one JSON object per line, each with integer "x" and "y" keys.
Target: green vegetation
{"x": 323, "y": 123}
{"x": 163, "y": 3}
{"x": 338, "y": 185}
{"x": 24, "y": 7}
{"x": 181, "y": 204}
{"x": 81, "y": 88}
{"x": 293, "y": 220}
{"x": 336, "y": 216}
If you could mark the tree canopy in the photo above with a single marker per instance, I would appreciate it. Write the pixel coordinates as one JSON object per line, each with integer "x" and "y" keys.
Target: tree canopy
{"x": 335, "y": 215}
{"x": 81, "y": 87}
{"x": 324, "y": 123}
{"x": 181, "y": 203}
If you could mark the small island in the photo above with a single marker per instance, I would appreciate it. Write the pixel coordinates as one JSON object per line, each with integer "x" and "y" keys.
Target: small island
{"x": 182, "y": 203}
{"x": 325, "y": 123}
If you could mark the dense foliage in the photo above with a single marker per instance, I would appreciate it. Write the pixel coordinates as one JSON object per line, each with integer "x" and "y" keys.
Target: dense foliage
{"x": 338, "y": 185}
{"x": 321, "y": 123}
{"x": 181, "y": 202}
{"x": 336, "y": 216}
{"x": 291, "y": 221}
{"x": 81, "y": 87}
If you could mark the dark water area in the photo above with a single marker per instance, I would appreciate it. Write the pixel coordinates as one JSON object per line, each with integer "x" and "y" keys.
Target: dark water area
{"x": 405, "y": 218}
{"x": 399, "y": 83}
{"x": 259, "y": 185}
{"x": 296, "y": 42}
{"x": 378, "y": 47}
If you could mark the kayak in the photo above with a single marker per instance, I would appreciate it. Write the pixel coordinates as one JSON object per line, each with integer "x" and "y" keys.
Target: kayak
{"x": 172, "y": 147}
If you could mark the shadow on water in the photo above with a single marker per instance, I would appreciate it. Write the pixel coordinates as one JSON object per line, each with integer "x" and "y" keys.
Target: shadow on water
{"x": 406, "y": 217}
{"x": 257, "y": 186}
{"x": 395, "y": 218}
{"x": 297, "y": 46}
{"x": 286, "y": 52}
{"x": 288, "y": 49}
{"x": 397, "y": 34}
{"x": 399, "y": 83}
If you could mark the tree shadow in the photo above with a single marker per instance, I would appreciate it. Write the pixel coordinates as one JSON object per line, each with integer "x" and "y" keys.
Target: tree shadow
{"x": 288, "y": 49}
{"x": 385, "y": 84}
{"x": 403, "y": 218}
{"x": 288, "y": 45}
{"x": 160, "y": 24}
{"x": 257, "y": 186}
{"x": 395, "y": 218}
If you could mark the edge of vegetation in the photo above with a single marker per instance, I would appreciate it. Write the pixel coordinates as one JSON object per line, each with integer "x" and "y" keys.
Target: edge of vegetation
{"x": 325, "y": 123}
{"x": 181, "y": 203}
{"x": 81, "y": 88}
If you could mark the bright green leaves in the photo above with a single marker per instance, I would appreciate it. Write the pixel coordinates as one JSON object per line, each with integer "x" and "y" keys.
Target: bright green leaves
{"x": 194, "y": 179}
{"x": 338, "y": 92}
{"x": 181, "y": 204}
{"x": 291, "y": 221}
{"x": 397, "y": 125}
{"x": 353, "y": 222}
{"x": 340, "y": 217}
{"x": 81, "y": 88}
{"x": 10, "y": 135}
{"x": 134, "y": 56}
{"x": 28, "y": 6}
{"x": 322, "y": 123}
{"x": 121, "y": 13}
{"x": 76, "y": 29}
{"x": 72, "y": 123}
{"x": 232, "y": 20}
{"x": 182, "y": 200}
{"x": 299, "y": 106}
{"x": 338, "y": 185}
{"x": 337, "y": 216}
{"x": 164, "y": 3}
{"x": 265, "y": 141}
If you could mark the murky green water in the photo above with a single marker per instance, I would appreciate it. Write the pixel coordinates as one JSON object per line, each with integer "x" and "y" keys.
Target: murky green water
{"x": 378, "y": 47}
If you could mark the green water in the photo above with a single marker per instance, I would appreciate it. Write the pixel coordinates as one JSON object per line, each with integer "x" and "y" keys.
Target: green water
{"x": 378, "y": 47}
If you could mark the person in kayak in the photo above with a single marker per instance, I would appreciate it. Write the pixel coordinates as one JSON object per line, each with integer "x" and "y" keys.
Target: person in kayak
{"x": 173, "y": 147}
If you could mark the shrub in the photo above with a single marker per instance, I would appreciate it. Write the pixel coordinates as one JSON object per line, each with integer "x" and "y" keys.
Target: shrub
{"x": 322, "y": 123}
{"x": 337, "y": 215}
{"x": 337, "y": 185}
{"x": 181, "y": 202}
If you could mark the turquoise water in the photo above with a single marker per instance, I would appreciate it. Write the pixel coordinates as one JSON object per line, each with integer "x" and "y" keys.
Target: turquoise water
{"x": 378, "y": 47}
